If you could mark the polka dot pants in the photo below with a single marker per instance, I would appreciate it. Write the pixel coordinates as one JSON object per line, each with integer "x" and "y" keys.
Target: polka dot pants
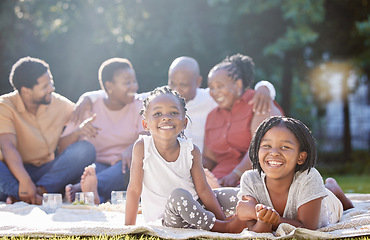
{"x": 183, "y": 211}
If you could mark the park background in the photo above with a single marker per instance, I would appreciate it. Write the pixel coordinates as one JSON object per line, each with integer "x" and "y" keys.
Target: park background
{"x": 316, "y": 53}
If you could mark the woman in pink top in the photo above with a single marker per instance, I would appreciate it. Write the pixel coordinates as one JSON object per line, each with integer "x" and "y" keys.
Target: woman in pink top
{"x": 114, "y": 127}
{"x": 230, "y": 126}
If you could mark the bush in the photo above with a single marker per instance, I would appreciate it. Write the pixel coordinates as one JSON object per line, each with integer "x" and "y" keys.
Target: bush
{"x": 333, "y": 163}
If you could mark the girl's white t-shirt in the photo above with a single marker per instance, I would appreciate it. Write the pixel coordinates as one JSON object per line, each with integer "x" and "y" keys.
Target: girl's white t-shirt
{"x": 162, "y": 177}
{"x": 306, "y": 186}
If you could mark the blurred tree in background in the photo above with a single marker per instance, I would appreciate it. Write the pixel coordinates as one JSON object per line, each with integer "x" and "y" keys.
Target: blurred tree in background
{"x": 288, "y": 40}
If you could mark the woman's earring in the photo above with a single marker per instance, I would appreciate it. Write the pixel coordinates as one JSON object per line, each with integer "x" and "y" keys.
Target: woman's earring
{"x": 145, "y": 126}
{"x": 110, "y": 91}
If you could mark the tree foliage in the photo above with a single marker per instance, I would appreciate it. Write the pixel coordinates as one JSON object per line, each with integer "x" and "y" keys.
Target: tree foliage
{"x": 286, "y": 39}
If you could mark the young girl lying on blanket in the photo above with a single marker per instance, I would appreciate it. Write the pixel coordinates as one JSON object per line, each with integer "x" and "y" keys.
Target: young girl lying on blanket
{"x": 284, "y": 186}
{"x": 167, "y": 173}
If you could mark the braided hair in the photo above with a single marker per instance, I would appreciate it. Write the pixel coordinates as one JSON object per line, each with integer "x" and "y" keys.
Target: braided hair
{"x": 238, "y": 66}
{"x": 158, "y": 92}
{"x": 300, "y": 130}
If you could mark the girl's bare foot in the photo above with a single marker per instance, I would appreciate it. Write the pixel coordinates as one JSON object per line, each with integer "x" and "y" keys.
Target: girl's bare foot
{"x": 236, "y": 225}
{"x": 89, "y": 182}
{"x": 334, "y": 187}
{"x": 233, "y": 225}
{"x": 70, "y": 191}
{"x": 211, "y": 179}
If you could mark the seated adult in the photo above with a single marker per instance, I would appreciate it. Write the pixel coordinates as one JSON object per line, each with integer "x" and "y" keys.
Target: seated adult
{"x": 230, "y": 126}
{"x": 184, "y": 77}
{"x": 32, "y": 118}
{"x": 117, "y": 125}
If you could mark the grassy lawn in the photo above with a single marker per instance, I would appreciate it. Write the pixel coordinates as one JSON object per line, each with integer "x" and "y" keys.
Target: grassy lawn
{"x": 352, "y": 183}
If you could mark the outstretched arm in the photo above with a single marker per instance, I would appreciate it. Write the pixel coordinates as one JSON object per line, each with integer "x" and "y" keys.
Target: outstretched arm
{"x": 307, "y": 216}
{"x": 135, "y": 186}
{"x": 12, "y": 158}
{"x": 202, "y": 188}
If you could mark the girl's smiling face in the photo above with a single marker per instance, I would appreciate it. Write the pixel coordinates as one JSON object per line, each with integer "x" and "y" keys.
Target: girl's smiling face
{"x": 165, "y": 116}
{"x": 279, "y": 153}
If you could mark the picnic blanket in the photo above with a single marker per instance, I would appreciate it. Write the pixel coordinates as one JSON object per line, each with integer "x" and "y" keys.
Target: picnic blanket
{"x": 22, "y": 219}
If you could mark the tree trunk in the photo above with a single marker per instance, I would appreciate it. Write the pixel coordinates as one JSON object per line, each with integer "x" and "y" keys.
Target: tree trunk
{"x": 347, "y": 147}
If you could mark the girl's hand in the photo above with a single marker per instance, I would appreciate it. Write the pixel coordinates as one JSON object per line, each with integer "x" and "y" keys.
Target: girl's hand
{"x": 267, "y": 214}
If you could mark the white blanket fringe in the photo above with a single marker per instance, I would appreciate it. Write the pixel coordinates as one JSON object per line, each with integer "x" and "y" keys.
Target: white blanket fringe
{"x": 22, "y": 219}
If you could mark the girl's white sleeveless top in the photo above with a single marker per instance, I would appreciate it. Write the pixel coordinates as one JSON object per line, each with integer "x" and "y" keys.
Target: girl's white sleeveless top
{"x": 162, "y": 177}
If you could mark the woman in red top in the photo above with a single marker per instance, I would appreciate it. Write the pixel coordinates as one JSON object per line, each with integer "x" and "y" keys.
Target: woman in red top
{"x": 230, "y": 126}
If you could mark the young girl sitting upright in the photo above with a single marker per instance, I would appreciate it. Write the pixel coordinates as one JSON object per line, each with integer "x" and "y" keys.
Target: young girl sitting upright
{"x": 167, "y": 172}
{"x": 284, "y": 186}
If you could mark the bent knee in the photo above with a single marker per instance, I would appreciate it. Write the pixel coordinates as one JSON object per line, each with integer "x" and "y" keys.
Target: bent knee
{"x": 180, "y": 194}
{"x": 88, "y": 146}
{"x": 85, "y": 148}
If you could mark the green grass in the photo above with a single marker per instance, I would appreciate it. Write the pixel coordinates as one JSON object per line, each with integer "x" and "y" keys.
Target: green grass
{"x": 352, "y": 183}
